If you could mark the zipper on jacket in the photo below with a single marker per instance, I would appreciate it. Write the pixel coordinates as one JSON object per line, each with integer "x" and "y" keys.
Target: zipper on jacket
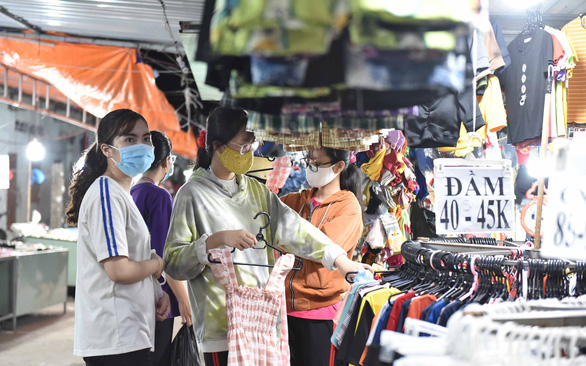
{"x": 292, "y": 293}
{"x": 311, "y": 210}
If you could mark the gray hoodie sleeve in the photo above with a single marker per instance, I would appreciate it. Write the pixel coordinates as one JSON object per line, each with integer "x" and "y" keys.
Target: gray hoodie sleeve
{"x": 298, "y": 236}
{"x": 185, "y": 249}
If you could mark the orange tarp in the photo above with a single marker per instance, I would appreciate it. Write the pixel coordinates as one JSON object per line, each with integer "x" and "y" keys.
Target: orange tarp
{"x": 100, "y": 79}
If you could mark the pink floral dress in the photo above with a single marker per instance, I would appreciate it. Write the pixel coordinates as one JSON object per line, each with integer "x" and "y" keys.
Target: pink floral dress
{"x": 253, "y": 314}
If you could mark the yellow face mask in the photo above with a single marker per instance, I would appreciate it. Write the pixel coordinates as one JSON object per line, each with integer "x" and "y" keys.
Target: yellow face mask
{"x": 235, "y": 162}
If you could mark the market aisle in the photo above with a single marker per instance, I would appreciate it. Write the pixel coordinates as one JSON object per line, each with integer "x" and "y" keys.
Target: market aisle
{"x": 44, "y": 338}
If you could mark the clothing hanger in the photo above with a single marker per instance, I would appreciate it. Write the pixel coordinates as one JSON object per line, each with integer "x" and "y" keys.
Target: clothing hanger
{"x": 260, "y": 238}
{"x": 389, "y": 271}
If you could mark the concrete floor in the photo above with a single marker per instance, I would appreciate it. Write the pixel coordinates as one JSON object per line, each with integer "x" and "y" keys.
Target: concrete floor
{"x": 44, "y": 338}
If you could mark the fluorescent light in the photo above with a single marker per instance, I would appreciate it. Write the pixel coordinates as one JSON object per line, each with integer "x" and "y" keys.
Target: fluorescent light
{"x": 35, "y": 151}
{"x": 102, "y": 5}
{"x": 54, "y": 23}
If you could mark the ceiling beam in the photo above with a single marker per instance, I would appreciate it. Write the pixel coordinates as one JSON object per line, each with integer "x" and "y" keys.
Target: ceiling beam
{"x": 21, "y": 20}
{"x": 102, "y": 41}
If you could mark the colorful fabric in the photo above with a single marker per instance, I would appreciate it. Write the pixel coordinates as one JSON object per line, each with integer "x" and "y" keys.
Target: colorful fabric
{"x": 276, "y": 27}
{"x": 404, "y": 72}
{"x": 423, "y": 12}
{"x": 278, "y": 176}
{"x": 325, "y": 313}
{"x": 576, "y": 110}
{"x": 374, "y": 167}
{"x": 253, "y": 313}
{"x": 239, "y": 88}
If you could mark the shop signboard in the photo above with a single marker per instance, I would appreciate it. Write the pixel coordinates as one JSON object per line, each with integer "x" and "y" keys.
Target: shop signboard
{"x": 564, "y": 233}
{"x": 473, "y": 196}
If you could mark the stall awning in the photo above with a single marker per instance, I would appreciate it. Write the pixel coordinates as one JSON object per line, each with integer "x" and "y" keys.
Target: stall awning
{"x": 99, "y": 79}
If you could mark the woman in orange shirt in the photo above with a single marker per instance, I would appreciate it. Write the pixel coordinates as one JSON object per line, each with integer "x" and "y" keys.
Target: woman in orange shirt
{"x": 334, "y": 206}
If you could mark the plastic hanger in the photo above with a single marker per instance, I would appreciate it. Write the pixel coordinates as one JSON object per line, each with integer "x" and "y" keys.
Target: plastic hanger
{"x": 260, "y": 238}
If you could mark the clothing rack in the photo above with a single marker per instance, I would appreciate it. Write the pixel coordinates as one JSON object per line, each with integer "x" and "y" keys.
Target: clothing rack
{"x": 471, "y": 249}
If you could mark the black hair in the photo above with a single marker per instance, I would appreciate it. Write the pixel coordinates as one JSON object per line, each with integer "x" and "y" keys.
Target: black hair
{"x": 163, "y": 148}
{"x": 115, "y": 123}
{"x": 349, "y": 177}
{"x": 223, "y": 124}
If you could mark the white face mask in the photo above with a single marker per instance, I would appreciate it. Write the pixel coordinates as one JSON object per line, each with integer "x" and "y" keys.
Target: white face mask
{"x": 322, "y": 177}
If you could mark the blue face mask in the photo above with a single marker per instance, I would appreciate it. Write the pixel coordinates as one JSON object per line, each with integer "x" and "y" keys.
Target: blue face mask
{"x": 170, "y": 173}
{"x": 135, "y": 159}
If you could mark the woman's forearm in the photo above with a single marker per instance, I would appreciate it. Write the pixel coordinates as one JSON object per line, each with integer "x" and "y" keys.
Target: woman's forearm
{"x": 178, "y": 288}
{"x": 123, "y": 270}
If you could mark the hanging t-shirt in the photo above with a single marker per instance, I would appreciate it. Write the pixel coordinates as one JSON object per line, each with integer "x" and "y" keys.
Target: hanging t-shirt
{"x": 500, "y": 38}
{"x": 111, "y": 317}
{"x": 525, "y": 84}
{"x": 577, "y": 86}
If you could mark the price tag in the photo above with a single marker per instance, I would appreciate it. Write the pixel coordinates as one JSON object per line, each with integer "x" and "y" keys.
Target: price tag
{"x": 564, "y": 233}
{"x": 473, "y": 197}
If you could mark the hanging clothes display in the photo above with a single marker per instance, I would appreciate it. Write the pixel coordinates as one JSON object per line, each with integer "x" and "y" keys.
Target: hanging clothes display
{"x": 536, "y": 332}
{"x": 369, "y": 58}
{"x": 435, "y": 284}
{"x": 576, "y": 34}
{"x": 253, "y": 314}
{"x": 525, "y": 84}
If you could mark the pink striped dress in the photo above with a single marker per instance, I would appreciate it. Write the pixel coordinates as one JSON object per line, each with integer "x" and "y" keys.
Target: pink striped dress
{"x": 253, "y": 314}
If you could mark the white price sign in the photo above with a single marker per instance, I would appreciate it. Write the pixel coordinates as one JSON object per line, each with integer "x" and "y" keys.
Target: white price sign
{"x": 564, "y": 233}
{"x": 473, "y": 197}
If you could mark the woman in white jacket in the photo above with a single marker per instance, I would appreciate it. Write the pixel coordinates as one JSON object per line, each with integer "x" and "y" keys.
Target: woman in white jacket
{"x": 117, "y": 295}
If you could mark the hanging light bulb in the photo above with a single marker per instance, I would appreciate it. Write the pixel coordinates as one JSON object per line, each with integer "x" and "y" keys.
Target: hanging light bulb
{"x": 35, "y": 151}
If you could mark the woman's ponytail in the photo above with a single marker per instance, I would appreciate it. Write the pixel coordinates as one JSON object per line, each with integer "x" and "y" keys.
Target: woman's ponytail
{"x": 350, "y": 176}
{"x": 350, "y": 181}
{"x": 95, "y": 165}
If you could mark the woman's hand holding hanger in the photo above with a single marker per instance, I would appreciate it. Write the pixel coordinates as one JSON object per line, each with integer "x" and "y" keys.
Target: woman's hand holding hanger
{"x": 346, "y": 265}
{"x": 239, "y": 239}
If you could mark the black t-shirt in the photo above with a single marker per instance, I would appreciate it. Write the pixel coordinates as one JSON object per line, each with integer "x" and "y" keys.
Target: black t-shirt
{"x": 525, "y": 84}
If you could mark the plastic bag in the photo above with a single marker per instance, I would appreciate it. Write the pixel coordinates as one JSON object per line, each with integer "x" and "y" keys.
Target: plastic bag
{"x": 184, "y": 351}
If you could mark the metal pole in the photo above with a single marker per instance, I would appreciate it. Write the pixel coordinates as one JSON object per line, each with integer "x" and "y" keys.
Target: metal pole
{"x": 28, "y": 196}
{"x": 542, "y": 155}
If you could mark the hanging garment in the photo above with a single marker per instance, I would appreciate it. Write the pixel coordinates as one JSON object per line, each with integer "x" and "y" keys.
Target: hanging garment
{"x": 567, "y": 60}
{"x": 525, "y": 83}
{"x": 493, "y": 112}
{"x": 377, "y": 70}
{"x": 438, "y": 123}
{"x": 275, "y": 27}
{"x": 253, "y": 314}
{"x": 278, "y": 176}
{"x": 576, "y": 34}
{"x": 493, "y": 51}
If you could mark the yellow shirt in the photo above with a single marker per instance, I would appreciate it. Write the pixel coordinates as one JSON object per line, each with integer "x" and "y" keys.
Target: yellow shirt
{"x": 577, "y": 79}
